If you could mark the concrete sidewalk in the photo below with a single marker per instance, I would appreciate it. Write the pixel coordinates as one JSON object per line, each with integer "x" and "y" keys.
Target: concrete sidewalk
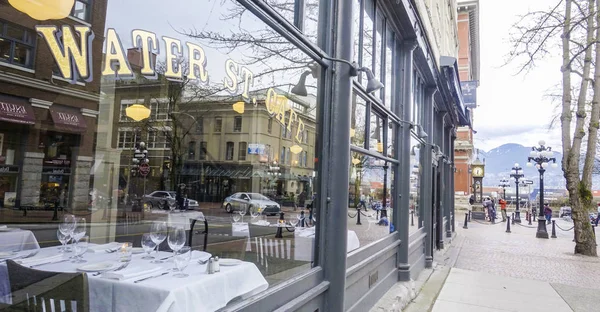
{"x": 472, "y": 291}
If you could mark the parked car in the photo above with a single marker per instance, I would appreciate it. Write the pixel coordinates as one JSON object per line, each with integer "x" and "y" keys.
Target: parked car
{"x": 564, "y": 211}
{"x": 253, "y": 201}
{"x": 165, "y": 200}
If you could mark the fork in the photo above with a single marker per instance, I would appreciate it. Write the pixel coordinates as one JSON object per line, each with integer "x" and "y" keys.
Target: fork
{"x": 121, "y": 267}
{"x": 111, "y": 250}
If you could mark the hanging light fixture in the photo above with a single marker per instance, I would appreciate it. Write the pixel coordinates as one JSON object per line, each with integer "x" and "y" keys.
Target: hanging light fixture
{"x": 296, "y": 149}
{"x": 44, "y": 10}
{"x": 137, "y": 112}
{"x": 239, "y": 107}
{"x": 355, "y": 161}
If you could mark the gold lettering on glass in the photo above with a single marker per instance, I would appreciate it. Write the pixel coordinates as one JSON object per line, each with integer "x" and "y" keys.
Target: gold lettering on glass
{"x": 147, "y": 42}
{"x": 114, "y": 58}
{"x": 231, "y": 69}
{"x": 173, "y": 50}
{"x": 197, "y": 59}
{"x": 68, "y": 52}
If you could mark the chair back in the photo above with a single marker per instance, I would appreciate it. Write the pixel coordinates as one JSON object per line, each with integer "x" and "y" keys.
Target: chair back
{"x": 34, "y": 290}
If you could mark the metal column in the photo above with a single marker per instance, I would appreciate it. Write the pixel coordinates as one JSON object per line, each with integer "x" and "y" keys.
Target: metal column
{"x": 449, "y": 175}
{"x": 427, "y": 185}
{"x": 402, "y": 218}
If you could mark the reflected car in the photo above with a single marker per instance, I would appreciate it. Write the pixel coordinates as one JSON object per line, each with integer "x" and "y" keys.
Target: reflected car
{"x": 252, "y": 201}
{"x": 165, "y": 199}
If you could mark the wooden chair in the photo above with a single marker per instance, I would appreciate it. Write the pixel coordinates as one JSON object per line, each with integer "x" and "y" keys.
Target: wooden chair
{"x": 34, "y": 290}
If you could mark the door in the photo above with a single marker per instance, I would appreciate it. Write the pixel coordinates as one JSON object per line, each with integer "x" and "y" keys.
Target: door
{"x": 434, "y": 204}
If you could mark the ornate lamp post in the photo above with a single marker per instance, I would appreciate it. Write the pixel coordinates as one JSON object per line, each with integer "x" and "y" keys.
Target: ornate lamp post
{"x": 504, "y": 183}
{"x": 515, "y": 175}
{"x": 541, "y": 156}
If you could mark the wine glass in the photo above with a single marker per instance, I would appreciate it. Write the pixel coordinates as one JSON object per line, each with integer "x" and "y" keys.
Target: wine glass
{"x": 80, "y": 248}
{"x": 158, "y": 233}
{"x": 254, "y": 213}
{"x": 182, "y": 259}
{"x": 176, "y": 239}
{"x": 67, "y": 227}
{"x": 148, "y": 244}
{"x": 79, "y": 229}
{"x": 294, "y": 220}
{"x": 243, "y": 210}
{"x": 236, "y": 217}
{"x": 172, "y": 205}
{"x": 63, "y": 239}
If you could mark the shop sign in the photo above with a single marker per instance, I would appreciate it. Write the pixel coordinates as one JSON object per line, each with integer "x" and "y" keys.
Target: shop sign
{"x": 256, "y": 149}
{"x": 56, "y": 171}
{"x": 9, "y": 169}
{"x": 58, "y": 162}
{"x": 469, "y": 93}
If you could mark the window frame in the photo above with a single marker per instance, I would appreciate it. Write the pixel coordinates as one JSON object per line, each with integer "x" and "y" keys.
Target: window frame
{"x": 202, "y": 153}
{"x": 88, "y": 12}
{"x": 236, "y": 127}
{"x": 242, "y": 152}
{"x": 218, "y": 121}
{"x": 229, "y": 156}
{"x": 13, "y": 41}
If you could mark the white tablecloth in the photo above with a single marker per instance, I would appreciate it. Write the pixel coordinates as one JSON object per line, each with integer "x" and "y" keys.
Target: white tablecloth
{"x": 352, "y": 238}
{"x": 17, "y": 240}
{"x": 197, "y": 292}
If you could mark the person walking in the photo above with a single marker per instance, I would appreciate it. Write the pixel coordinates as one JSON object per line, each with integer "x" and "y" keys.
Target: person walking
{"x": 548, "y": 213}
{"x": 471, "y": 199}
{"x": 597, "y": 214}
{"x": 502, "y": 203}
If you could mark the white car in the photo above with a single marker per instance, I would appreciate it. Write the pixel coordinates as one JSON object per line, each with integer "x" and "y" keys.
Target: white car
{"x": 259, "y": 202}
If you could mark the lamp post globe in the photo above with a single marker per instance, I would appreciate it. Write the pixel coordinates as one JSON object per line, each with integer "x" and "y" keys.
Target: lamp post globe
{"x": 541, "y": 156}
{"x": 515, "y": 175}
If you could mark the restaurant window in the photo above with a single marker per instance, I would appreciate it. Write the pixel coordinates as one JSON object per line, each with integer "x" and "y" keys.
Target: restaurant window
{"x": 237, "y": 124}
{"x": 270, "y": 125}
{"x": 356, "y": 16}
{"x": 242, "y": 150}
{"x": 17, "y": 45}
{"x": 390, "y": 63}
{"x": 358, "y": 121}
{"x": 415, "y": 183}
{"x": 82, "y": 10}
{"x": 199, "y": 125}
{"x": 376, "y": 135}
{"x": 218, "y": 124}
{"x": 203, "y": 151}
{"x": 192, "y": 150}
{"x": 368, "y": 42}
{"x": 378, "y": 70}
{"x": 304, "y": 14}
{"x": 229, "y": 151}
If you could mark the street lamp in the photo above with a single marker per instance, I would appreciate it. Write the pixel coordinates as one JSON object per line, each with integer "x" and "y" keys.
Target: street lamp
{"x": 541, "y": 156}
{"x": 515, "y": 175}
{"x": 504, "y": 183}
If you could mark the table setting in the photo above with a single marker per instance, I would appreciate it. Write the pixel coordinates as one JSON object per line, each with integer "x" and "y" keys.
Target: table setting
{"x": 122, "y": 277}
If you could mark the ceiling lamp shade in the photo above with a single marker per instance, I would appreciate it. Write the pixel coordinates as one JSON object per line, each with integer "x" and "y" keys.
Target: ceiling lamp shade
{"x": 296, "y": 149}
{"x": 239, "y": 107}
{"x": 352, "y": 132}
{"x": 44, "y": 10}
{"x": 355, "y": 161}
{"x": 137, "y": 112}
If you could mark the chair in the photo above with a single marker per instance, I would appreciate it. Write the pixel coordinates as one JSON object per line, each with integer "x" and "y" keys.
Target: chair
{"x": 34, "y": 290}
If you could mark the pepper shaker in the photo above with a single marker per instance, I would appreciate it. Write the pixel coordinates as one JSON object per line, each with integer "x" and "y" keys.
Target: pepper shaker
{"x": 210, "y": 266}
{"x": 217, "y": 266}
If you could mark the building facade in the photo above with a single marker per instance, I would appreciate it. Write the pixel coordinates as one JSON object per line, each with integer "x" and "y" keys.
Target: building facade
{"x": 332, "y": 109}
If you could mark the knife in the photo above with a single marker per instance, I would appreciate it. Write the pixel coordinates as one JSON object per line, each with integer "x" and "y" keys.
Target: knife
{"x": 149, "y": 277}
{"x": 39, "y": 264}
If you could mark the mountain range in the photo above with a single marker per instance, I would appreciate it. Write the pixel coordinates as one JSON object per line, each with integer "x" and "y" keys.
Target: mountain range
{"x": 500, "y": 160}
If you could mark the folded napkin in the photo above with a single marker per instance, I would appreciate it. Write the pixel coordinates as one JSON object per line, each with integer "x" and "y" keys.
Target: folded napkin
{"x": 132, "y": 272}
{"x": 200, "y": 255}
{"x": 40, "y": 260}
{"x": 103, "y": 247}
{"x": 3, "y": 226}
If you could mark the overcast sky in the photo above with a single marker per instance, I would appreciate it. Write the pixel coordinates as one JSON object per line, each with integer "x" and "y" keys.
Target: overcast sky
{"x": 512, "y": 108}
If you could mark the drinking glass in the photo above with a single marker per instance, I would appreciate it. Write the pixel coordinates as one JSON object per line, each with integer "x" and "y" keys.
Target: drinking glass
{"x": 182, "y": 259}
{"x": 67, "y": 227}
{"x": 176, "y": 239}
{"x": 148, "y": 244}
{"x": 79, "y": 229}
{"x": 158, "y": 232}
{"x": 294, "y": 220}
{"x": 243, "y": 210}
{"x": 80, "y": 248}
{"x": 124, "y": 253}
{"x": 254, "y": 213}
{"x": 236, "y": 217}
{"x": 63, "y": 239}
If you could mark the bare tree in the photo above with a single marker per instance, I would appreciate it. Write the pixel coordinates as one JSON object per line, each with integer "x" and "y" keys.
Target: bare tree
{"x": 572, "y": 25}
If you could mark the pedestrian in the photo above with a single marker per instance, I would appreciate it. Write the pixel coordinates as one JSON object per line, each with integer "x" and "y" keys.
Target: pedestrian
{"x": 502, "y": 203}
{"x": 471, "y": 199}
{"x": 362, "y": 201}
{"x": 493, "y": 204}
{"x": 547, "y": 212}
{"x": 598, "y": 214}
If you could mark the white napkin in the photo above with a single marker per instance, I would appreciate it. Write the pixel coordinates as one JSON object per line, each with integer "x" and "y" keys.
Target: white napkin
{"x": 132, "y": 272}
{"x": 3, "y": 226}
{"x": 200, "y": 255}
{"x": 103, "y": 247}
{"x": 306, "y": 232}
{"x": 40, "y": 260}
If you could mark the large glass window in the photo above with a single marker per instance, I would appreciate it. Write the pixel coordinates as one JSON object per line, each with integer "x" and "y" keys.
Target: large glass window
{"x": 358, "y": 122}
{"x": 17, "y": 45}
{"x": 304, "y": 14}
{"x": 196, "y": 112}
{"x": 415, "y": 185}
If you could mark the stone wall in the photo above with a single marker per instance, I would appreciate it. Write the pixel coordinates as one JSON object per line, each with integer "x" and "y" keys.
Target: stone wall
{"x": 81, "y": 183}
{"x": 31, "y": 179}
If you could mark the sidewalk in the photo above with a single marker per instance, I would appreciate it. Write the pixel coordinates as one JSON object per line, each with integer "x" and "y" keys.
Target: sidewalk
{"x": 476, "y": 291}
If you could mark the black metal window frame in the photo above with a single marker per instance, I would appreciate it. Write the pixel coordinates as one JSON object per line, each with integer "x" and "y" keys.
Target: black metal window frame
{"x": 29, "y": 40}
{"x": 237, "y": 124}
{"x": 218, "y": 126}
{"x": 229, "y": 150}
{"x": 88, "y": 12}
{"x": 203, "y": 150}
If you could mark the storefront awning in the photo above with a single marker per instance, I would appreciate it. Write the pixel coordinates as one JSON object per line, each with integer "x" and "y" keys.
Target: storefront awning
{"x": 67, "y": 118}
{"x": 17, "y": 110}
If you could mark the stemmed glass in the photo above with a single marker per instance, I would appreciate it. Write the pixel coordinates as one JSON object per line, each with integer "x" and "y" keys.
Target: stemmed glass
{"x": 66, "y": 228}
{"x": 236, "y": 217}
{"x": 148, "y": 244}
{"x": 80, "y": 248}
{"x": 182, "y": 259}
{"x": 254, "y": 213}
{"x": 158, "y": 233}
{"x": 176, "y": 239}
{"x": 294, "y": 220}
{"x": 78, "y": 231}
{"x": 63, "y": 239}
{"x": 242, "y": 211}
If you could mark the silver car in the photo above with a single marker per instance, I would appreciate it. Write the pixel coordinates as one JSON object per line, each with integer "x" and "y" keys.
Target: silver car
{"x": 164, "y": 199}
{"x": 251, "y": 201}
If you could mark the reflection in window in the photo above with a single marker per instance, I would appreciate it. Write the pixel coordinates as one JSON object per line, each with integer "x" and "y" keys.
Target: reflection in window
{"x": 370, "y": 195}
{"x": 203, "y": 150}
{"x": 415, "y": 184}
{"x": 391, "y": 143}
{"x": 358, "y": 122}
{"x": 17, "y": 45}
{"x": 270, "y": 125}
{"x": 237, "y": 124}
{"x": 389, "y": 68}
{"x": 229, "y": 151}
{"x": 368, "y": 44}
{"x": 376, "y": 135}
{"x": 356, "y": 13}
{"x": 199, "y": 124}
{"x": 192, "y": 150}
{"x": 82, "y": 10}
{"x": 378, "y": 69}
{"x": 243, "y": 149}
{"x": 218, "y": 124}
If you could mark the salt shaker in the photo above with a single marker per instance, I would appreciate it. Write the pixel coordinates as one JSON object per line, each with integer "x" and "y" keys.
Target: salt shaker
{"x": 217, "y": 266}
{"x": 210, "y": 266}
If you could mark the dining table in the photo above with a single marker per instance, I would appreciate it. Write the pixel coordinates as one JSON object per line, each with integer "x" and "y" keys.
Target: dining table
{"x": 128, "y": 289}
{"x": 16, "y": 239}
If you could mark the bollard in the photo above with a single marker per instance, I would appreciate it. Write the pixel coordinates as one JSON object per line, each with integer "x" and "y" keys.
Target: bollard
{"x": 526, "y": 215}
{"x": 508, "y": 225}
{"x": 469, "y": 215}
{"x": 302, "y": 224}
{"x": 412, "y": 218}
{"x": 530, "y": 217}
{"x": 358, "y": 216}
{"x": 553, "y": 229}
{"x": 512, "y": 217}
{"x": 466, "y": 218}
{"x": 594, "y": 228}
{"x": 279, "y": 233}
